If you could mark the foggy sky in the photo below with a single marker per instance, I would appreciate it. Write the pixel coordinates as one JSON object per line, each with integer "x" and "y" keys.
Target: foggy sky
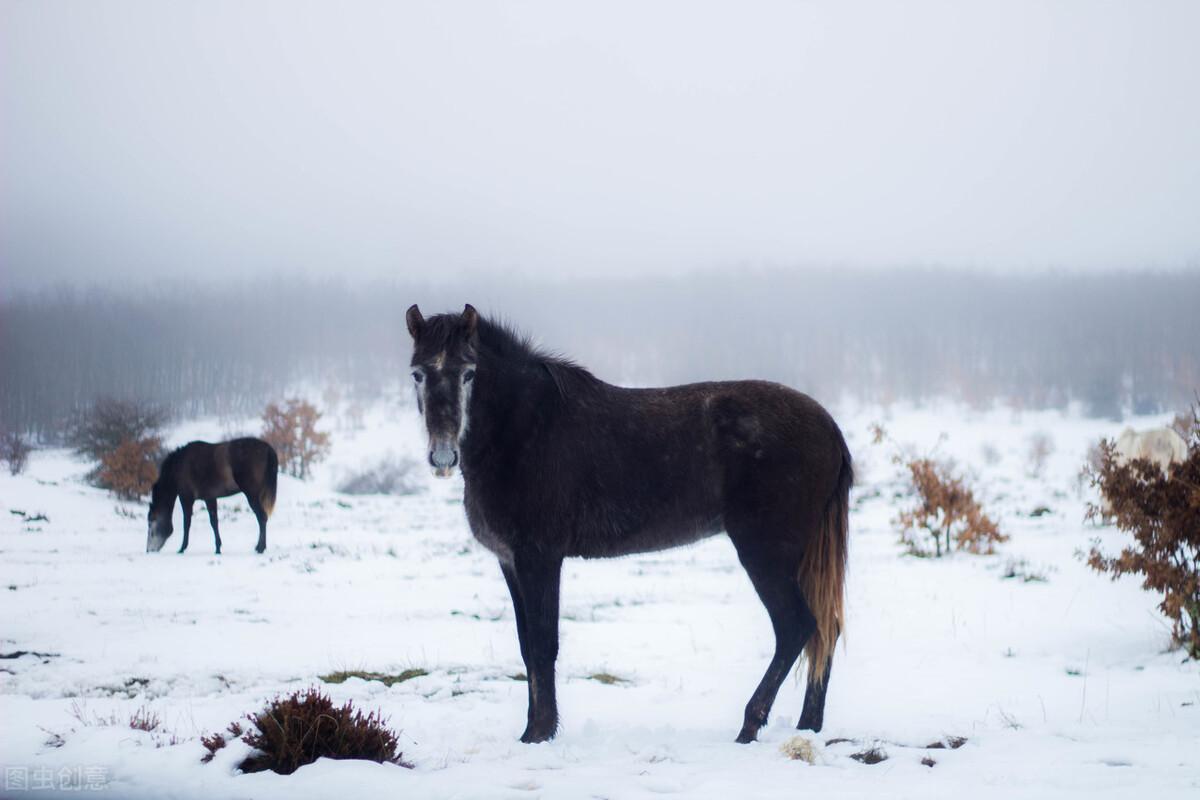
{"x": 142, "y": 139}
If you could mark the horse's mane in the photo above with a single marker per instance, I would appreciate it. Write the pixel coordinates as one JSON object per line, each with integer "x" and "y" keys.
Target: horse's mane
{"x": 172, "y": 457}
{"x": 168, "y": 463}
{"x": 165, "y": 477}
{"x": 505, "y": 342}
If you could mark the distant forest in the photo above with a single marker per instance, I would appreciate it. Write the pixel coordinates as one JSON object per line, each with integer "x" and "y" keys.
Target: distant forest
{"x": 1115, "y": 343}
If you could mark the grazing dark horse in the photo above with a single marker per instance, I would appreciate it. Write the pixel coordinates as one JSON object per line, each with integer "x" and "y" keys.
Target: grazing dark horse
{"x": 558, "y": 463}
{"x": 204, "y": 471}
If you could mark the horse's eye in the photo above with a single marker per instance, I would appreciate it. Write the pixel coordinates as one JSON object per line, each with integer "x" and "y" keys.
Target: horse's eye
{"x": 468, "y": 375}
{"x": 418, "y": 377}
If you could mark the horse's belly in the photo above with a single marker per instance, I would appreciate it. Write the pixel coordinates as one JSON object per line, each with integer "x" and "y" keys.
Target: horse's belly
{"x": 649, "y": 538}
{"x": 500, "y": 547}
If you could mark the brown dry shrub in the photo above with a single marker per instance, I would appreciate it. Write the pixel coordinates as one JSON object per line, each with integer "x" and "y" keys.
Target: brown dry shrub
{"x": 946, "y": 508}
{"x": 108, "y": 422}
{"x": 131, "y": 469}
{"x": 14, "y": 451}
{"x": 291, "y": 429}
{"x": 1162, "y": 512}
{"x": 300, "y": 728}
{"x": 123, "y": 437}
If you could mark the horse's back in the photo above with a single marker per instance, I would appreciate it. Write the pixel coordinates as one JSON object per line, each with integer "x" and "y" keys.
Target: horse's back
{"x": 778, "y": 448}
{"x": 252, "y": 461}
{"x": 654, "y": 468}
{"x": 748, "y": 426}
{"x": 226, "y": 468}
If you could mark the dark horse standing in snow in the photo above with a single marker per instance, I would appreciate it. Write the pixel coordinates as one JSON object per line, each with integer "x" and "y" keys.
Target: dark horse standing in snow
{"x": 204, "y": 471}
{"x": 558, "y": 463}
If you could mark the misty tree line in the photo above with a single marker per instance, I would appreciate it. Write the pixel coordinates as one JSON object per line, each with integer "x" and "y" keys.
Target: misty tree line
{"x": 1114, "y": 342}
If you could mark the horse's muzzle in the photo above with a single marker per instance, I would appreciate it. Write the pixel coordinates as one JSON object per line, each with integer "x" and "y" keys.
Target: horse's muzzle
{"x": 443, "y": 458}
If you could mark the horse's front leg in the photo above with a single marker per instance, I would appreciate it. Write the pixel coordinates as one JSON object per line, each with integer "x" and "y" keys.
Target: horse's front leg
{"x": 535, "y": 602}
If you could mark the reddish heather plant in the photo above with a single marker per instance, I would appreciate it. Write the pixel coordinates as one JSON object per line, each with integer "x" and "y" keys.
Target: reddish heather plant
{"x": 298, "y": 729}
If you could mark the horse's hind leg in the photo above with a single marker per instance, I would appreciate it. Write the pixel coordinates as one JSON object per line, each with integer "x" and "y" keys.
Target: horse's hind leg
{"x": 813, "y": 715}
{"x": 212, "y": 520}
{"x": 260, "y": 514}
{"x": 186, "y": 503}
{"x": 773, "y": 574}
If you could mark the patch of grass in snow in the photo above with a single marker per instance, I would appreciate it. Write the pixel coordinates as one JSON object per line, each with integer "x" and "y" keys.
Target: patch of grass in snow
{"x": 1020, "y": 568}
{"x": 387, "y": 679}
{"x": 608, "y": 679}
{"x": 482, "y": 618}
{"x": 872, "y": 755}
{"x": 949, "y": 743}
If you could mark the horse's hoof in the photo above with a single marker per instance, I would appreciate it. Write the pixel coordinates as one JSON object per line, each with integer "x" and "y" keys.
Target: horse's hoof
{"x": 260, "y": 550}
{"x": 534, "y": 735}
{"x": 746, "y": 736}
{"x": 809, "y": 724}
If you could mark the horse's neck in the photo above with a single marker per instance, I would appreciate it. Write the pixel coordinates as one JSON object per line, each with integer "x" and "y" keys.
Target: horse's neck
{"x": 511, "y": 406}
{"x": 172, "y": 489}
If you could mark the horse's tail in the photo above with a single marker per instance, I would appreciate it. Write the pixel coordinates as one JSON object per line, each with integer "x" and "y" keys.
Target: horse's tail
{"x": 267, "y": 498}
{"x": 823, "y": 573}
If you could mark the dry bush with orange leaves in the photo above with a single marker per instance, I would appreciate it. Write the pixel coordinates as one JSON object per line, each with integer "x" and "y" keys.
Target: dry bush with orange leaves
{"x": 946, "y": 511}
{"x": 291, "y": 429}
{"x": 1162, "y": 512}
{"x": 122, "y": 437}
{"x": 131, "y": 469}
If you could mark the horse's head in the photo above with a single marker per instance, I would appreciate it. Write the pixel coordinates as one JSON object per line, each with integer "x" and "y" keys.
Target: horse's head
{"x": 158, "y": 522}
{"x": 443, "y": 371}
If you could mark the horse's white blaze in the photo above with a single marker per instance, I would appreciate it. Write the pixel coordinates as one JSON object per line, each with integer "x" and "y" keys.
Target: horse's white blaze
{"x": 464, "y": 400}
{"x": 420, "y": 388}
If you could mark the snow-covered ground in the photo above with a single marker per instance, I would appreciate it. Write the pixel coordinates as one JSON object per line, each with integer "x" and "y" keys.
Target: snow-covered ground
{"x": 1062, "y": 687}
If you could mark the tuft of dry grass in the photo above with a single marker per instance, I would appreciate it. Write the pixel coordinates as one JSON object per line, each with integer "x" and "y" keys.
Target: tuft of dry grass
{"x": 608, "y": 679}
{"x": 143, "y": 719}
{"x": 387, "y": 679}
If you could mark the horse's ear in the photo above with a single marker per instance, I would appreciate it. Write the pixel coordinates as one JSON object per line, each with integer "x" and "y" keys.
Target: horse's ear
{"x": 415, "y": 321}
{"x": 470, "y": 318}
